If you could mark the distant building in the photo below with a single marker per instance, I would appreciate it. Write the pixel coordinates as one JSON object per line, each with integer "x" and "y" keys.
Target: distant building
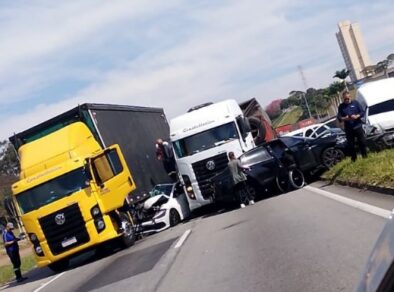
{"x": 353, "y": 49}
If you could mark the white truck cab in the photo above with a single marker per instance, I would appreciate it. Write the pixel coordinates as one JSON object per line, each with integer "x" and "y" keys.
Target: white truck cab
{"x": 202, "y": 139}
{"x": 377, "y": 99}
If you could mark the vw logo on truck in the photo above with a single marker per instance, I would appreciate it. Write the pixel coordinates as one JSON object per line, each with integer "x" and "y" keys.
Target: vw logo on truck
{"x": 210, "y": 165}
{"x": 60, "y": 219}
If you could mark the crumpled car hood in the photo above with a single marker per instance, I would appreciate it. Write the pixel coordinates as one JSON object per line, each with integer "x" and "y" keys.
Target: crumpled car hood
{"x": 155, "y": 201}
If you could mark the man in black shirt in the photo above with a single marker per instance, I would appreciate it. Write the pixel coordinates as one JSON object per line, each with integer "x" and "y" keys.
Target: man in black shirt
{"x": 350, "y": 112}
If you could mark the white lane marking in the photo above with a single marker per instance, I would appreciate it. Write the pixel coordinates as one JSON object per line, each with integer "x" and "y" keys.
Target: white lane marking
{"x": 353, "y": 203}
{"x": 49, "y": 282}
{"x": 183, "y": 238}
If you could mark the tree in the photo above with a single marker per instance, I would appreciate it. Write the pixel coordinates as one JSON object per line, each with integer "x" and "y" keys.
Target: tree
{"x": 342, "y": 74}
{"x": 9, "y": 164}
{"x": 274, "y": 109}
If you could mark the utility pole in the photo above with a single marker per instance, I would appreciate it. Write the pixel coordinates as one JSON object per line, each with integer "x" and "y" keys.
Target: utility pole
{"x": 306, "y": 88}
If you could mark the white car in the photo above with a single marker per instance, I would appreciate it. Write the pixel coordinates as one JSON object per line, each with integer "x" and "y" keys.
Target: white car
{"x": 316, "y": 130}
{"x": 167, "y": 207}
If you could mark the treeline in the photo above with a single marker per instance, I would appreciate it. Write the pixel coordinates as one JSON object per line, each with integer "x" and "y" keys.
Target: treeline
{"x": 9, "y": 170}
{"x": 320, "y": 101}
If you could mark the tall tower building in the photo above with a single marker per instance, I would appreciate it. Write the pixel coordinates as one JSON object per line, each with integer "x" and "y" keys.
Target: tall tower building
{"x": 353, "y": 49}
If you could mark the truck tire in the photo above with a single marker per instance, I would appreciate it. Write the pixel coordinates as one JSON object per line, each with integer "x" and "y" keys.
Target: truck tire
{"x": 59, "y": 266}
{"x": 257, "y": 129}
{"x": 128, "y": 230}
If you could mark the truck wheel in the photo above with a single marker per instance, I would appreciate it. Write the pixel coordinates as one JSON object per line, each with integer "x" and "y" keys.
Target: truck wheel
{"x": 257, "y": 129}
{"x": 174, "y": 217}
{"x": 59, "y": 266}
{"x": 128, "y": 230}
{"x": 296, "y": 178}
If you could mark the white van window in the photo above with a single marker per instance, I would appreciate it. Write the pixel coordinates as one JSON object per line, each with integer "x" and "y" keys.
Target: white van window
{"x": 382, "y": 107}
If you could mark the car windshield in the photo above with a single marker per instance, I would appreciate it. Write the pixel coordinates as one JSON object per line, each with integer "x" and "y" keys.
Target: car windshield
{"x": 52, "y": 190}
{"x": 160, "y": 189}
{"x": 205, "y": 140}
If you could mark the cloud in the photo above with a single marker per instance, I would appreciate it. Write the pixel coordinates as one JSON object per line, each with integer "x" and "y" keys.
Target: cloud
{"x": 172, "y": 54}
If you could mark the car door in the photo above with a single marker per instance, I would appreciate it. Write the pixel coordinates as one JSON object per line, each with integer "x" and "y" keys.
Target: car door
{"x": 112, "y": 177}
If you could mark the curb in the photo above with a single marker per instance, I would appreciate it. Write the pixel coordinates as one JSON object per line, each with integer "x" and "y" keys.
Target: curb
{"x": 377, "y": 189}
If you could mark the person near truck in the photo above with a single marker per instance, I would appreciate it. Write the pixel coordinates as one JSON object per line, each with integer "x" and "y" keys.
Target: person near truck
{"x": 12, "y": 249}
{"x": 350, "y": 112}
{"x": 239, "y": 179}
{"x": 165, "y": 154}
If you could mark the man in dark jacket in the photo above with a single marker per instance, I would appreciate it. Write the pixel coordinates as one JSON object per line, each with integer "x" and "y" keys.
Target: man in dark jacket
{"x": 350, "y": 112}
{"x": 165, "y": 154}
{"x": 12, "y": 249}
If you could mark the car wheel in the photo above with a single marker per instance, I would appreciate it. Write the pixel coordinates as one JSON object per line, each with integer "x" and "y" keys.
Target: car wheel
{"x": 174, "y": 217}
{"x": 296, "y": 178}
{"x": 282, "y": 180}
{"x": 332, "y": 156}
{"x": 128, "y": 230}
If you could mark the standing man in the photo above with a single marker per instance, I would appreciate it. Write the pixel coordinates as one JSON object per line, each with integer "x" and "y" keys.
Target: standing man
{"x": 12, "y": 248}
{"x": 239, "y": 178}
{"x": 165, "y": 154}
{"x": 350, "y": 112}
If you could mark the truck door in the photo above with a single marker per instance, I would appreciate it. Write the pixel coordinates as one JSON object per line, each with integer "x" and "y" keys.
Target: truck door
{"x": 112, "y": 176}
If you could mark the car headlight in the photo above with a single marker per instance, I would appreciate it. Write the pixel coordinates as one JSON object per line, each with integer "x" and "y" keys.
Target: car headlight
{"x": 161, "y": 213}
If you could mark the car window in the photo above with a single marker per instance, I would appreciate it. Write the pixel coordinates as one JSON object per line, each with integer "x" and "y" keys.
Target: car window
{"x": 308, "y": 133}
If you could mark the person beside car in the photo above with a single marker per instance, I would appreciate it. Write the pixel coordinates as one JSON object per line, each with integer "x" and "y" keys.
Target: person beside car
{"x": 351, "y": 113}
{"x": 239, "y": 179}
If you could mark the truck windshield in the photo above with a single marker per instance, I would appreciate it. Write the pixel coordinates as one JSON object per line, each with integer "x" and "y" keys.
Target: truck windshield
{"x": 52, "y": 190}
{"x": 205, "y": 140}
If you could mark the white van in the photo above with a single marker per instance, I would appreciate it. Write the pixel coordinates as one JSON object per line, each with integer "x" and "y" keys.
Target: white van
{"x": 377, "y": 99}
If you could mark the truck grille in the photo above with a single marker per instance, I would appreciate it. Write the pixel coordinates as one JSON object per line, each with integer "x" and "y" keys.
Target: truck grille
{"x": 71, "y": 233}
{"x": 204, "y": 174}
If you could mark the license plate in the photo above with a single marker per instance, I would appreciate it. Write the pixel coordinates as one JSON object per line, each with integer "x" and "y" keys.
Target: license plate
{"x": 69, "y": 241}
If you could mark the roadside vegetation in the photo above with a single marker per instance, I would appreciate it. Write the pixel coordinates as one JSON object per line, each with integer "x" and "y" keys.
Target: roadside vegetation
{"x": 289, "y": 117}
{"x": 377, "y": 170}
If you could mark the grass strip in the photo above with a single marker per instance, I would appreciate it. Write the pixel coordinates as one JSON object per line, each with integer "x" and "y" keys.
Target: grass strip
{"x": 7, "y": 273}
{"x": 376, "y": 170}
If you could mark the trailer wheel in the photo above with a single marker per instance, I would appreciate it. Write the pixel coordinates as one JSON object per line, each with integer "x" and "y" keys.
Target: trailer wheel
{"x": 257, "y": 129}
{"x": 128, "y": 230}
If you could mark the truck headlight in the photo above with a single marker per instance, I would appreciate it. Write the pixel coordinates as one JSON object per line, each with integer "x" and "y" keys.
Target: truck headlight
{"x": 38, "y": 250}
{"x": 95, "y": 211}
{"x": 33, "y": 237}
{"x": 100, "y": 225}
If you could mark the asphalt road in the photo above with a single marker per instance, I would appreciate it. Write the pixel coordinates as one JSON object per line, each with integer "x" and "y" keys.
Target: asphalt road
{"x": 300, "y": 241}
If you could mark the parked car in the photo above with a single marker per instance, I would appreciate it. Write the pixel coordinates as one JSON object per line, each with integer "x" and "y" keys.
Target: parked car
{"x": 317, "y": 130}
{"x": 166, "y": 207}
{"x": 265, "y": 171}
{"x": 310, "y": 154}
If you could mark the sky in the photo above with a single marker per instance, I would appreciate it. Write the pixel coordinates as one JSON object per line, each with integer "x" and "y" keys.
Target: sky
{"x": 172, "y": 54}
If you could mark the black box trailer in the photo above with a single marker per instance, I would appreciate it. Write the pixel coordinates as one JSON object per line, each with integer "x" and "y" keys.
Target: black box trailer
{"x": 134, "y": 128}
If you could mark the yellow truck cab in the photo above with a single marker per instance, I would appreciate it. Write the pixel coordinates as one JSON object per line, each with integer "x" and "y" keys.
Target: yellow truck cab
{"x": 73, "y": 193}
